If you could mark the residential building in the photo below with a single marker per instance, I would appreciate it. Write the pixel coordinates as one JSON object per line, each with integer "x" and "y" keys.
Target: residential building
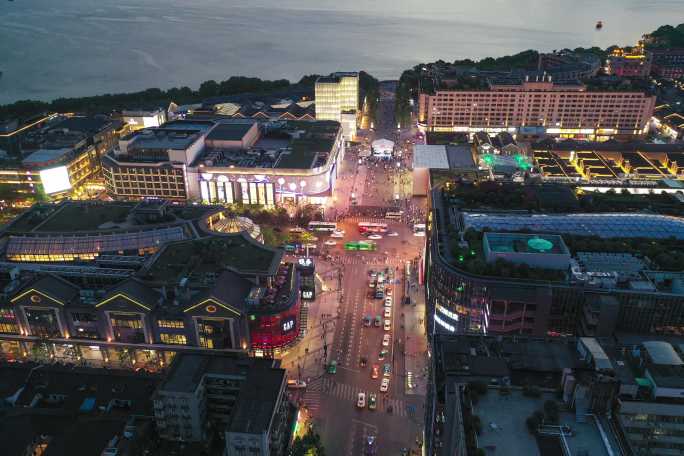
{"x": 240, "y": 398}
{"x": 537, "y": 108}
{"x": 337, "y": 98}
{"x": 59, "y": 410}
{"x": 668, "y": 122}
{"x": 668, "y": 63}
{"x": 635, "y": 63}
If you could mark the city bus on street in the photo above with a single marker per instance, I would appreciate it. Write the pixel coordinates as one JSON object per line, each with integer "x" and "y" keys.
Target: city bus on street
{"x": 360, "y": 245}
{"x": 419, "y": 229}
{"x": 322, "y": 226}
{"x": 394, "y": 215}
{"x": 368, "y": 227}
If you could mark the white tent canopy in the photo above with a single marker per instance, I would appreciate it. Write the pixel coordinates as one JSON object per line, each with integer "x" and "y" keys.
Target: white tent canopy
{"x": 382, "y": 147}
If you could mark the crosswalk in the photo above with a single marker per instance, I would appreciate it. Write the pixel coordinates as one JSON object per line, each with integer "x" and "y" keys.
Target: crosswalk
{"x": 349, "y": 393}
{"x": 353, "y": 259}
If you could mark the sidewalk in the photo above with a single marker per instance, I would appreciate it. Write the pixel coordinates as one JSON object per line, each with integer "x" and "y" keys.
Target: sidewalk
{"x": 416, "y": 342}
{"x": 305, "y": 359}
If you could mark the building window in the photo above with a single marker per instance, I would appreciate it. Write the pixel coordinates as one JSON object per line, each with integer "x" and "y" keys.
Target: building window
{"x": 175, "y": 339}
{"x": 9, "y": 328}
{"x": 178, "y": 324}
{"x": 83, "y": 317}
{"x": 7, "y": 313}
{"x": 133, "y": 324}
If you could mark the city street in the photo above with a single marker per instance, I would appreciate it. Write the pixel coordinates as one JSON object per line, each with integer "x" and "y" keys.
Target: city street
{"x": 335, "y": 327}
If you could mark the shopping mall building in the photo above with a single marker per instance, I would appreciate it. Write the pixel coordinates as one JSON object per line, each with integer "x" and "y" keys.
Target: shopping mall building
{"x": 147, "y": 278}
{"x": 588, "y": 293}
{"x": 287, "y": 163}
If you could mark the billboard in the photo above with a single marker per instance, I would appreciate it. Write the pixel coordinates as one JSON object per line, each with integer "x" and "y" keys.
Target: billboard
{"x": 55, "y": 179}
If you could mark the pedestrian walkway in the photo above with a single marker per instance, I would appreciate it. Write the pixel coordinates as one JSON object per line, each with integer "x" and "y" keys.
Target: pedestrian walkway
{"x": 360, "y": 258}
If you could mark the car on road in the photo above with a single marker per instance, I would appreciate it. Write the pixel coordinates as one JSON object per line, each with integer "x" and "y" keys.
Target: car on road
{"x": 332, "y": 367}
{"x": 382, "y": 355}
{"x": 379, "y": 294}
{"x": 388, "y": 302}
{"x": 337, "y": 234}
{"x": 372, "y": 401}
{"x": 387, "y": 325}
{"x": 384, "y": 385}
{"x": 330, "y": 242}
{"x": 363, "y": 361}
{"x": 386, "y": 370}
{"x": 375, "y": 237}
{"x": 386, "y": 340}
{"x": 409, "y": 380}
{"x": 378, "y": 321}
{"x": 388, "y": 312}
{"x": 388, "y": 292}
{"x": 361, "y": 400}
{"x": 375, "y": 371}
{"x": 296, "y": 384}
{"x": 392, "y": 234}
{"x": 367, "y": 321}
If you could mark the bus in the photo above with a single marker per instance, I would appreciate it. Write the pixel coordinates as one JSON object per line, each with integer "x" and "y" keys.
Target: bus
{"x": 360, "y": 245}
{"x": 367, "y": 227}
{"x": 322, "y": 226}
{"x": 394, "y": 215}
{"x": 419, "y": 229}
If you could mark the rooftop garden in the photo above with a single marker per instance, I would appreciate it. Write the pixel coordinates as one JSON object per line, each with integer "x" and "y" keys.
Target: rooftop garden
{"x": 612, "y": 201}
{"x": 87, "y": 217}
{"x": 495, "y": 195}
{"x": 471, "y": 259}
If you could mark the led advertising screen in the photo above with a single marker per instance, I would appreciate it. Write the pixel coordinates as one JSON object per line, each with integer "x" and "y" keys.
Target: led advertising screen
{"x": 55, "y": 179}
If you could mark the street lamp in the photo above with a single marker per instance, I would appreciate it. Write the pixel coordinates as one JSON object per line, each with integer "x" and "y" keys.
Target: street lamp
{"x": 281, "y": 181}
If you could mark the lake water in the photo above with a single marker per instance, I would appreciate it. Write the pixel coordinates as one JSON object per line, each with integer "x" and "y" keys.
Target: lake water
{"x": 53, "y": 48}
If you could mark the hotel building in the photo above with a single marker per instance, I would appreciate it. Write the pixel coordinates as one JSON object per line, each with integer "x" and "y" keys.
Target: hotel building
{"x": 537, "y": 108}
{"x": 228, "y": 161}
{"x": 337, "y": 98}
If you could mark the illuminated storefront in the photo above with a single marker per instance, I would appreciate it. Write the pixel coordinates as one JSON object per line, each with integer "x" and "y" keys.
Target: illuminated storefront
{"x": 274, "y": 331}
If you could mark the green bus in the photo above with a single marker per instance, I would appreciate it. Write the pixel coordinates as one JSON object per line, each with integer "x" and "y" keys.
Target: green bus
{"x": 361, "y": 245}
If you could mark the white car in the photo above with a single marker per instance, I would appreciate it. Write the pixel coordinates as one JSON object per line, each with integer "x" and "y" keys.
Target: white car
{"x": 386, "y": 340}
{"x": 388, "y": 312}
{"x": 388, "y": 302}
{"x": 393, "y": 234}
{"x": 387, "y": 325}
{"x": 361, "y": 400}
{"x": 337, "y": 234}
{"x": 296, "y": 384}
{"x": 330, "y": 242}
{"x": 375, "y": 237}
{"x": 384, "y": 385}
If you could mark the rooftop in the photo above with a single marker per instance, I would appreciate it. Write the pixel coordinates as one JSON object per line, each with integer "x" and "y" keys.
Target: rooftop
{"x": 211, "y": 255}
{"x": 229, "y": 131}
{"x": 503, "y": 426}
{"x": 47, "y": 156}
{"x": 611, "y": 225}
{"x": 525, "y": 243}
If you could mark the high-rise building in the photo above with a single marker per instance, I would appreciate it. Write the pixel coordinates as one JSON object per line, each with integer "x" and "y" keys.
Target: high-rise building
{"x": 537, "y": 108}
{"x": 337, "y": 98}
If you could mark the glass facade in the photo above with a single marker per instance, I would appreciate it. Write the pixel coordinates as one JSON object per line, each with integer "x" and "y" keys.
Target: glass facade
{"x": 227, "y": 192}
